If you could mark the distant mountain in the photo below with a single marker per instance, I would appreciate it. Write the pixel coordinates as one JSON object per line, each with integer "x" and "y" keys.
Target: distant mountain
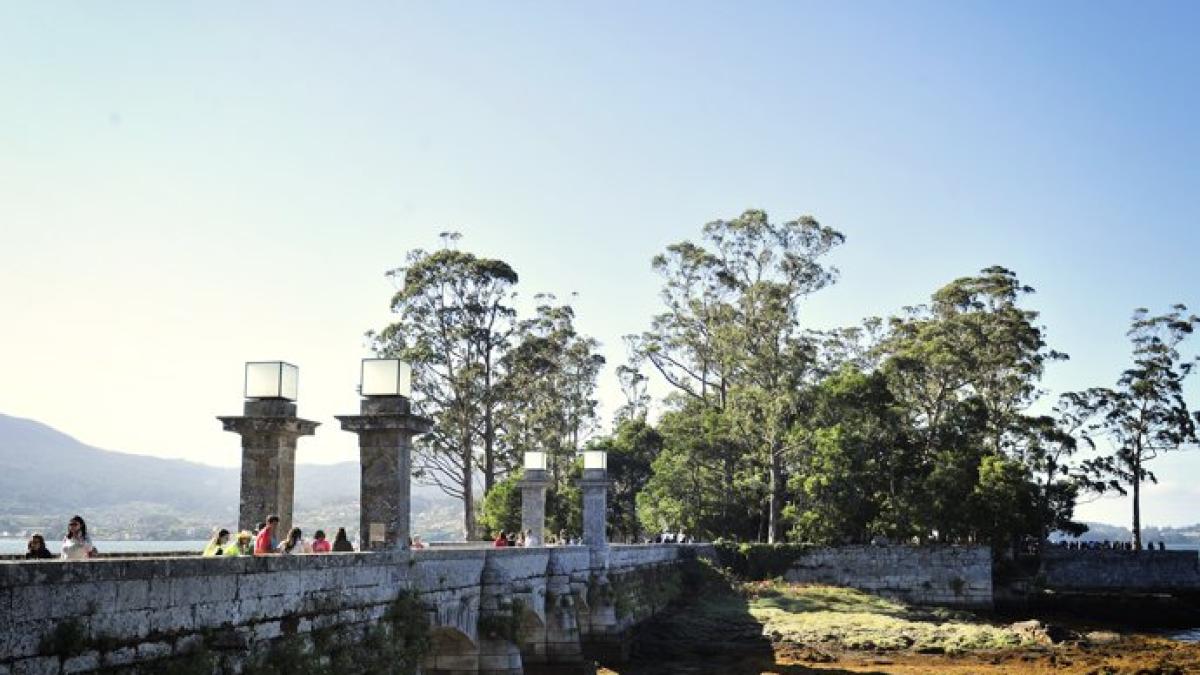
{"x": 46, "y": 472}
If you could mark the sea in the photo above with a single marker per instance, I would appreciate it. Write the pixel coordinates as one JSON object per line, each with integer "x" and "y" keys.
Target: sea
{"x": 10, "y": 546}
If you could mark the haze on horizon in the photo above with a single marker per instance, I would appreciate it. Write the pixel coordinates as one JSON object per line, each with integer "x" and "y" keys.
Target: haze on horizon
{"x": 186, "y": 188}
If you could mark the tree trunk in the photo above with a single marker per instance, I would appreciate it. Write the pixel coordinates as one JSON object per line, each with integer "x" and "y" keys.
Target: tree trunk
{"x": 468, "y": 487}
{"x": 1137, "y": 507}
{"x": 776, "y": 508}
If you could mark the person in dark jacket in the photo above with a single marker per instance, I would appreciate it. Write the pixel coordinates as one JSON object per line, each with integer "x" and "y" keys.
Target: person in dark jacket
{"x": 341, "y": 543}
{"x": 37, "y": 548}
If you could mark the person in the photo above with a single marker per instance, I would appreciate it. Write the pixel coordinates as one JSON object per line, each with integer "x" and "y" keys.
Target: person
{"x": 562, "y": 537}
{"x": 512, "y": 538}
{"x": 242, "y": 544}
{"x": 320, "y": 543}
{"x": 216, "y": 545}
{"x": 520, "y": 539}
{"x": 264, "y": 543}
{"x": 341, "y": 543}
{"x": 77, "y": 545}
{"x": 1162, "y": 545}
{"x": 417, "y": 543}
{"x": 294, "y": 544}
{"x": 37, "y": 548}
{"x": 501, "y": 540}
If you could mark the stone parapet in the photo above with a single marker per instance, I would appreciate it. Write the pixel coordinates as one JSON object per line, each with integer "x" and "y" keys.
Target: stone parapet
{"x": 952, "y": 576}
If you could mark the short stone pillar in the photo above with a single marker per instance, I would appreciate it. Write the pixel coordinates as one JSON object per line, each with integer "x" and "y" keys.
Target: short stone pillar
{"x": 594, "y": 485}
{"x": 269, "y": 429}
{"x": 533, "y": 506}
{"x": 385, "y": 428}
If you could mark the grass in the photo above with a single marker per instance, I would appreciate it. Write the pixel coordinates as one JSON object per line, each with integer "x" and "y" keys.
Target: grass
{"x": 850, "y": 619}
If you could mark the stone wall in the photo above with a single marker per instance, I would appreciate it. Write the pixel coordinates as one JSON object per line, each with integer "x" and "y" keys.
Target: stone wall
{"x": 953, "y": 576}
{"x": 492, "y": 611}
{"x": 79, "y": 616}
{"x": 1104, "y": 570}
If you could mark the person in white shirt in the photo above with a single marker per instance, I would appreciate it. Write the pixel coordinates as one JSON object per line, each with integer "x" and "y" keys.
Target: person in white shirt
{"x": 77, "y": 545}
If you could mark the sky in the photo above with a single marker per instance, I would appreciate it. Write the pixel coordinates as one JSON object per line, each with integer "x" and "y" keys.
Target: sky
{"x": 186, "y": 187}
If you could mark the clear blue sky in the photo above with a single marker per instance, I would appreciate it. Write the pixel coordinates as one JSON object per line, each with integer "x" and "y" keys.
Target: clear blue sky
{"x": 184, "y": 188}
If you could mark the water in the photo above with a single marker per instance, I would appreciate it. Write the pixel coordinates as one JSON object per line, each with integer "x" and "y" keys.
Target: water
{"x": 1188, "y": 635}
{"x": 18, "y": 546}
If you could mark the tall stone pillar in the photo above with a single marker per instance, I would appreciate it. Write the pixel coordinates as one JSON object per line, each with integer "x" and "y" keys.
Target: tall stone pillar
{"x": 385, "y": 428}
{"x": 269, "y": 429}
{"x": 594, "y": 485}
{"x": 533, "y": 506}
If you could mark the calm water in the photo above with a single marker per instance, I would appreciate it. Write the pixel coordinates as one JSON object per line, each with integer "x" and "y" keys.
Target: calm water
{"x": 15, "y": 546}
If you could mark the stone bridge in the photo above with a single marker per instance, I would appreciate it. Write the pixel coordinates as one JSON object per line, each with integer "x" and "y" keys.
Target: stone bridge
{"x": 495, "y": 611}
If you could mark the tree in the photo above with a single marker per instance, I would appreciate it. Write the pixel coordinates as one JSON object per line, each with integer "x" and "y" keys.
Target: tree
{"x": 1146, "y": 414}
{"x": 730, "y": 336}
{"x": 454, "y": 320}
{"x": 631, "y": 450}
{"x": 965, "y": 370}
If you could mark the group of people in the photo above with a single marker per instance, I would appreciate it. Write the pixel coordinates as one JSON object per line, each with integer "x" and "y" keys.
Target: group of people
{"x": 1107, "y": 545}
{"x": 265, "y": 541}
{"x": 517, "y": 538}
{"x": 76, "y": 544}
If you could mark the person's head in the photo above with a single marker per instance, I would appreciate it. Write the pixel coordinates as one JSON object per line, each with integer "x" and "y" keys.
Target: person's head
{"x": 37, "y": 542}
{"x": 272, "y": 521}
{"x": 244, "y": 540}
{"x": 341, "y": 534}
{"x": 502, "y": 534}
{"x": 416, "y": 538}
{"x": 77, "y": 528}
{"x": 293, "y": 536}
{"x": 258, "y": 527}
{"x": 319, "y": 535}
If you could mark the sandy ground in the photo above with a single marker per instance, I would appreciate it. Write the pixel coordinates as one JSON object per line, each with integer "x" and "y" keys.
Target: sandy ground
{"x": 1132, "y": 654}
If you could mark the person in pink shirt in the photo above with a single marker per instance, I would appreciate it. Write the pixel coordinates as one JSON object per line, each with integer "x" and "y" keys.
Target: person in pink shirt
{"x": 320, "y": 543}
{"x": 264, "y": 543}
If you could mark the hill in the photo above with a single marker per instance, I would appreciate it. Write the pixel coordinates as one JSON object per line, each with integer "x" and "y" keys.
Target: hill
{"x": 46, "y": 475}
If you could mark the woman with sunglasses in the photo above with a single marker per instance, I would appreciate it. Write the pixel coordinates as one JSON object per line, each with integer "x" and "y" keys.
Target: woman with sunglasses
{"x": 77, "y": 545}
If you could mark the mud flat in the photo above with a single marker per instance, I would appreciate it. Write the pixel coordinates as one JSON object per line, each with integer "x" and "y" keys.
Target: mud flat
{"x": 757, "y": 628}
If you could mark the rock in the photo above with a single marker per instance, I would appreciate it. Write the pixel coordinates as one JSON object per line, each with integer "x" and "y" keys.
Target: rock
{"x": 1102, "y": 637}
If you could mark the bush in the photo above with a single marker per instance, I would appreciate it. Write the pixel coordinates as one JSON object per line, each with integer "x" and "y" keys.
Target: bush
{"x": 757, "y": 562}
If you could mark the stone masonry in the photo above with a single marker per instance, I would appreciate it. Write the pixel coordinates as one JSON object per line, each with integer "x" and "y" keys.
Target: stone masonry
{"x": 269, "y": 429}
{"x": 385, "y": 431}
{"x": 953, "y": 576}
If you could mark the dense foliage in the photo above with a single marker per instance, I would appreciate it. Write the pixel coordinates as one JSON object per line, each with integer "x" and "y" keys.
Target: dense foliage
{"x": 917, "y": 427}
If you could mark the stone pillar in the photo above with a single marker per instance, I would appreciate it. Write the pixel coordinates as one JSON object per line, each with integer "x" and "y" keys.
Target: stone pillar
{"x": 385, "y": 431}
{"x": 533, "y": 506}
{"x": 269, "y": 429}
{"x": 595, "y": 507}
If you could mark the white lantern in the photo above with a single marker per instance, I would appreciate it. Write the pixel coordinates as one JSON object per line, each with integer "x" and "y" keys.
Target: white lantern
{"x": 386, "y": 377}
{"x": 271, "y": 379}
{"x": 595, "y": 459}
{"x": 535, "y": 461}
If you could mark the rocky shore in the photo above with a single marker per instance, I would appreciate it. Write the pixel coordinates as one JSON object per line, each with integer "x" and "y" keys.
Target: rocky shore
{"x": 756, "y": 628}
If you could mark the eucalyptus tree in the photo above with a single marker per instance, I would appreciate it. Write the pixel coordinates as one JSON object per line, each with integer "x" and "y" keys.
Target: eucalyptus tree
{"x": 730, "y": 335}
{"x": 548, "y": 388}
{"x": 454, "y": 320}
{"x": 966, "y": 368}
{"x": 1146, "y": 414}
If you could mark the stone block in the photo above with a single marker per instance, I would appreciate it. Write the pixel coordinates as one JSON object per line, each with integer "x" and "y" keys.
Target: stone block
{"x": 214, "y": 615}
{"x": 31, "y": 603}
{"x": 23, "y": 639}
{"x": 221, "y": 588}
{"x": 120, "y": 657}
{"x": 147, "y": 651}
{"x": 43, "y": 665}
{"x": 132, "y": 594}
{"x": 171, "y": 620}
{"x": 267, "y": 630}
{"x": 128, "y": 625}
{"x": 82, "y": 663}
